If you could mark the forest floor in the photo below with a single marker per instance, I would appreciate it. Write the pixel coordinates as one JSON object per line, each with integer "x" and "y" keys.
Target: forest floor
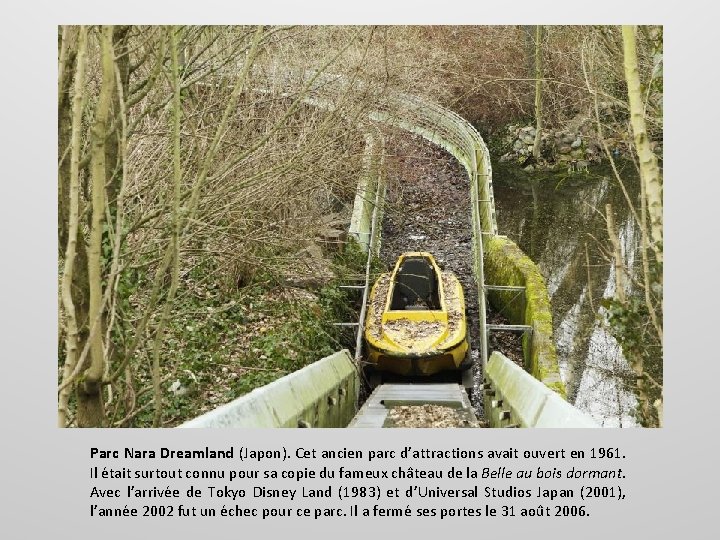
{"x": 222, "y": 344}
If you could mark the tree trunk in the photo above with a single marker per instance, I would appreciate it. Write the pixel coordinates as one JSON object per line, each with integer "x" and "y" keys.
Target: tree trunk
{"x": 617, "y": 255}
{"x": 112, "y": 147}
{"x": 90, "y": 411}
{"x": 72, "y": 214}
{"x": 652, "y": 199}
{"x": 649, "y": 171}
{"x": 66, "y": 65}
{"x": 529, "y": 42}
{"x": 538, "y": 91}
{"x": 177, "y": 185}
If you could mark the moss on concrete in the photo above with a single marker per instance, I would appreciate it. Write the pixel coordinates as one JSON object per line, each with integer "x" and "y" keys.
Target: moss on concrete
{"x": 506, "y": 264}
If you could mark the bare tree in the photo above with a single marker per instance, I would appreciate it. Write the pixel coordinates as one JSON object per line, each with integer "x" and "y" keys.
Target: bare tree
{"x": 611, "y": 61}
{"x": 252, "y": 174}
{"x": 538, "y": 90}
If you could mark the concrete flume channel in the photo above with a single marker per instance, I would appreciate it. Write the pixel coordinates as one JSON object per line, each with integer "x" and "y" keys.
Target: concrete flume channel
{"x": 325, "y": 393}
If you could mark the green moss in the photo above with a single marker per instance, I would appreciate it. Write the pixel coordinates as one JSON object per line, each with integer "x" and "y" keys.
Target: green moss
{"x": 558, "y": 387}
{"x": 506, "y": 264}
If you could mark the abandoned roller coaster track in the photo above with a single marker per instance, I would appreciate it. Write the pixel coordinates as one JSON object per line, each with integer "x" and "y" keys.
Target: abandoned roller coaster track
{"x": 325, "y": 393}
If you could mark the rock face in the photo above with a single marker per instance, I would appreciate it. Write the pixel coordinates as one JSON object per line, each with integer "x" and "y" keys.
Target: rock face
{"x": 573, "y": 146}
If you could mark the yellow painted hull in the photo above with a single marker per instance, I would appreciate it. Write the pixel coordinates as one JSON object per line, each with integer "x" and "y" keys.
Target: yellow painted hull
{"x": 422, "y": 339}
{"x": 421, "y": 365}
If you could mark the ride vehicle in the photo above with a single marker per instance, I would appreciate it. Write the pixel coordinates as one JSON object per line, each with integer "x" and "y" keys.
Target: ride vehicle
{"x": 415, "y": 324}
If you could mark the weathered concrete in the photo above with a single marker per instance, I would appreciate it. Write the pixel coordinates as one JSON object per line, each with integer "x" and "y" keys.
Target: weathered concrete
{"x": 506, "y": 264}
{"x": 370, "y": 194}
{"x": 323, "y": 394}
{"x": 528, "y": 401}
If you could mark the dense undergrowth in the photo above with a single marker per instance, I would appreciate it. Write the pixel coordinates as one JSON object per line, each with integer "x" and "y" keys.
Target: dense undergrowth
{"x": 222, "y": 345}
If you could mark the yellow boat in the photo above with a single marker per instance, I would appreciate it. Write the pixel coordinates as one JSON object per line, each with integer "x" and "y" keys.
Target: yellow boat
{"x": 415, "y": 324}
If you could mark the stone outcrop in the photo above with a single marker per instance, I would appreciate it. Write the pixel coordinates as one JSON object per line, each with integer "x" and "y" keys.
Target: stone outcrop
{"x": 574, "y": 146}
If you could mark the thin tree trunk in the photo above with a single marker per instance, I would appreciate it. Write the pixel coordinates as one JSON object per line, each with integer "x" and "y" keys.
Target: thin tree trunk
{"x": 538, "y": 91}
{"x": 222, "y": 126}
{"x": 71, "y": 333}
{"x": 617, "y": 255}
{"x": 659, "y": 408}
{"x": 91, "y": 412}
{"x": 66, "y": 66}
{"x": 649, "y": 171}
{"x": 644, "y": 252}
{"x": 112, "y": 148}
{"x": 115, "y": 164}
{"x": 176, "y": 225}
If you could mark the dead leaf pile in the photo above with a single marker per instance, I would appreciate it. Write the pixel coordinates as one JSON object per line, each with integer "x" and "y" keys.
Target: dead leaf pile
{"x": 428, "y": 416}
{"x": 411, "y": 331}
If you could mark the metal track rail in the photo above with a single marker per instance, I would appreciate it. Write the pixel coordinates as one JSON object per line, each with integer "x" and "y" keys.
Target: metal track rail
{"x": 373, "y": 246}
{"x": 453, "y": 133}
{"x": 431, "y": 121}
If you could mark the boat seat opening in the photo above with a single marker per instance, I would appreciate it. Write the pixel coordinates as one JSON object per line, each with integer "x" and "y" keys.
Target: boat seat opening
{"x": 416, "y": 286}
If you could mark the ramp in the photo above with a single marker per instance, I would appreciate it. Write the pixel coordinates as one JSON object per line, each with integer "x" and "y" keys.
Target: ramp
{"x": 374, "y": 413}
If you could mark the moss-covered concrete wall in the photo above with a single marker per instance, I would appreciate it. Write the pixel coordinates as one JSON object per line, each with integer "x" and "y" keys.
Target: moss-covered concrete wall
{"x": 506, "y": 264}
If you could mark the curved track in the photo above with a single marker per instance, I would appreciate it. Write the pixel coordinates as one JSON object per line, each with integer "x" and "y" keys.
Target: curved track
{"x": 512, "y": 397}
